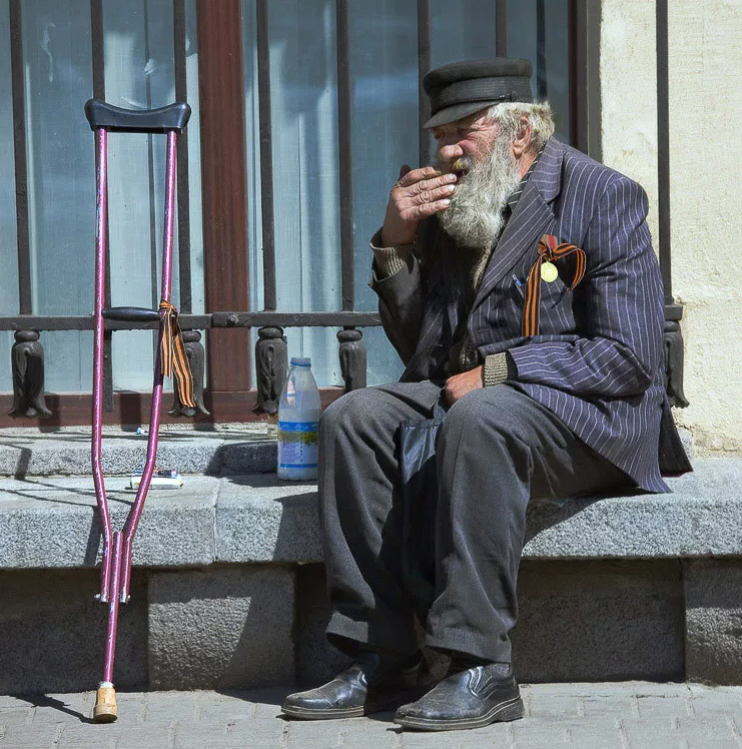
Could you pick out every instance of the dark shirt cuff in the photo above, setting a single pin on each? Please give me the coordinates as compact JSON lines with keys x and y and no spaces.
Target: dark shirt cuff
{"x":390,"y":260}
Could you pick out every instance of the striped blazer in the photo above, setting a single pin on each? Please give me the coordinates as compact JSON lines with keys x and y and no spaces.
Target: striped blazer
{"x":597,"y":361}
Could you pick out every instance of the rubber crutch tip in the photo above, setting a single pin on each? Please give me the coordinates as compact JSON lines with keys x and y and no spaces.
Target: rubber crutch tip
{"x":105,"y":710}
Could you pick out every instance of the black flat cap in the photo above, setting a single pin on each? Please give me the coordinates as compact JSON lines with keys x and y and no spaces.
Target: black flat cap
{"x":461,"y":88}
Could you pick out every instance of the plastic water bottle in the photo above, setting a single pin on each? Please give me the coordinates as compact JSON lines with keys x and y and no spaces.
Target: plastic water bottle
{"x":298,"y":424}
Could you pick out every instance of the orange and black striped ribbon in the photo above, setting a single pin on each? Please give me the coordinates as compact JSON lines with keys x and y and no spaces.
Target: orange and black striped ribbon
{"x":173,"y":359}
{"x":548,"y":250}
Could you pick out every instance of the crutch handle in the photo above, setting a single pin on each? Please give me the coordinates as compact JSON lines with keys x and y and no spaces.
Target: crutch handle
{"x":131,"y":314}
{"x":117,"y":119}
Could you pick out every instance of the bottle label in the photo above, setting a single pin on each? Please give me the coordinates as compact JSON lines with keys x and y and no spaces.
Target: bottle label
{"x":297,"y":444}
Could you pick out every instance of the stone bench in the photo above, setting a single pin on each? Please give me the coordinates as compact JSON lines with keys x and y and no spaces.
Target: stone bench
{"x":254,"y":518}
{"x":228,"y":586}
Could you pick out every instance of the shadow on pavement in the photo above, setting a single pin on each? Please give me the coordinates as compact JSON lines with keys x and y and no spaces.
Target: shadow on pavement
{"x":41,"y":700}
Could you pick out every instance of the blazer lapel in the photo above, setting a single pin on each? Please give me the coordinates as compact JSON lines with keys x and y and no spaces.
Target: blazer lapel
{"x":530,"y":220}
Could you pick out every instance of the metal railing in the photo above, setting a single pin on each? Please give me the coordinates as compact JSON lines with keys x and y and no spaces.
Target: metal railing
{"x":270,"y":347}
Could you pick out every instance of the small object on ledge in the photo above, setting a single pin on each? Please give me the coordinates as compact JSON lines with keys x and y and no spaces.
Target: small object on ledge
{"x":161,"y":479}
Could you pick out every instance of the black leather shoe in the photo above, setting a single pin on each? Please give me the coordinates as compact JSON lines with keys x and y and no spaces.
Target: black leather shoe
{"x":371,"y":685}
{"x":467,"y":698}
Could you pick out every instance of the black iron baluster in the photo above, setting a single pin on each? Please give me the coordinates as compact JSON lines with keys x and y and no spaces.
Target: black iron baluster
{"x":271,"y":363}
{"x":27,"y":357}
{"x":674,"y":354}
{"x":353,"y":359}
{"x":195,"y":354}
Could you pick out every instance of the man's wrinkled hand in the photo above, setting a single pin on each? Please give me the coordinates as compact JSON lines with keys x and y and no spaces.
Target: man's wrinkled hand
{"x":461,"y":384}
{"x":417,"y":194}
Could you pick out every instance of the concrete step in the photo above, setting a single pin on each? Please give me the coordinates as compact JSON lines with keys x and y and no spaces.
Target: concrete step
{"x":255,"y":518}
{"x":52,"y":521}
{"x":228,"y":589}
{"x":227,"y":449}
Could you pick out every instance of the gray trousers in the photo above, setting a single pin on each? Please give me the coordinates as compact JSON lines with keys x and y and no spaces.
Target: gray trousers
{"x":496,"y":449}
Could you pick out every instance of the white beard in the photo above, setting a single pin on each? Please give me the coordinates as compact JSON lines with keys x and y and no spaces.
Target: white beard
{"x":475,"y":218}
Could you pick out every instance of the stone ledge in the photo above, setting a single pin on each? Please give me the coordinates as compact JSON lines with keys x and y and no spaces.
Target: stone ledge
{"x":227,"y":449}
{"x":250,"y":449}
{"x":51,"y":521}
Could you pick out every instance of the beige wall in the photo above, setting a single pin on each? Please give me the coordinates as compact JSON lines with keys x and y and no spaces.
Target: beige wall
{"x":706,"y":164}
{"x":628,"y":81}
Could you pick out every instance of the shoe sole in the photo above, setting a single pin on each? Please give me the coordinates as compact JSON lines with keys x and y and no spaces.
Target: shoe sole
{"x":392,"y":703}
{"x":505,"y":711}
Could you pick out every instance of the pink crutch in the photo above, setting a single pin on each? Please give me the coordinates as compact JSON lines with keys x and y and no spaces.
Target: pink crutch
{"x":170,"y":360}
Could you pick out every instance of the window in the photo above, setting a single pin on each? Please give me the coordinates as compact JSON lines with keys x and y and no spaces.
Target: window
{"x":383,"y":78}
{"x":386,"y":48}
{"x":60,"y":159}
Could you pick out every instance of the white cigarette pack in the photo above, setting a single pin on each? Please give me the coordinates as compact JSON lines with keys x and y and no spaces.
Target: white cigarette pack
{"x":160,"y":480}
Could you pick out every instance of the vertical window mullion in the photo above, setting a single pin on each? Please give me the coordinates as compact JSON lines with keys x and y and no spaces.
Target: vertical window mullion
{"x":224,"y":186}
{"x":542,"y":90}
{"x":266,"y":155}
{"x":21,"y":163}
{"x":183,"y":207}
{"x":501,"y":26}
{"x":423,"y":66}
{"x":345,"y":163}
{"x":663,"y":149}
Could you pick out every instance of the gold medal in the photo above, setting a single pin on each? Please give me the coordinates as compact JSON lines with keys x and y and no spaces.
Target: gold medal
{"x":549,"y":272}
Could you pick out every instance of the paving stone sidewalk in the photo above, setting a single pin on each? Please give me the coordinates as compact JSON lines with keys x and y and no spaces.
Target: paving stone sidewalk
{"x":631,"y":715}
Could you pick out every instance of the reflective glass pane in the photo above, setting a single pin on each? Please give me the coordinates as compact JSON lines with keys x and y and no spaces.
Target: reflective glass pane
{"x":8,"y":252}
{"x":461,"y":31}
{"x":539,"y":31}
{"x":138,"y":50}
{"x":138,"y":47}
{"x":61,"y":173}
{"x":304,"y":149}
{"x":384,"y":121}
{"x":193,"y":133}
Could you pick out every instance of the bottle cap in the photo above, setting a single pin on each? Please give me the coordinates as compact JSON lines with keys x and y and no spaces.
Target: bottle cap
{"x":297,"y":361}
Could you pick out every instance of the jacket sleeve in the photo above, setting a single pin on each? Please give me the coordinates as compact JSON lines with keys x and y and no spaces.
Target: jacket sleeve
{"x":396,"y":278}
{"x":619,"y":347}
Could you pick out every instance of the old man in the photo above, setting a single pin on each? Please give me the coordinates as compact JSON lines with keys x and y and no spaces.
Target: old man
{"x":518,"y":283}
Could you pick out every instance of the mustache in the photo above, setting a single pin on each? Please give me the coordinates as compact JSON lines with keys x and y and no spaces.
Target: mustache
{"x":462,"y":164}
{"x":457,"y":166}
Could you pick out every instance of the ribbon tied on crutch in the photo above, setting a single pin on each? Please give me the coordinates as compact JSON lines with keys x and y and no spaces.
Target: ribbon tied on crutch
{"x":174,"y":362}
{"x":544,"y":269}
